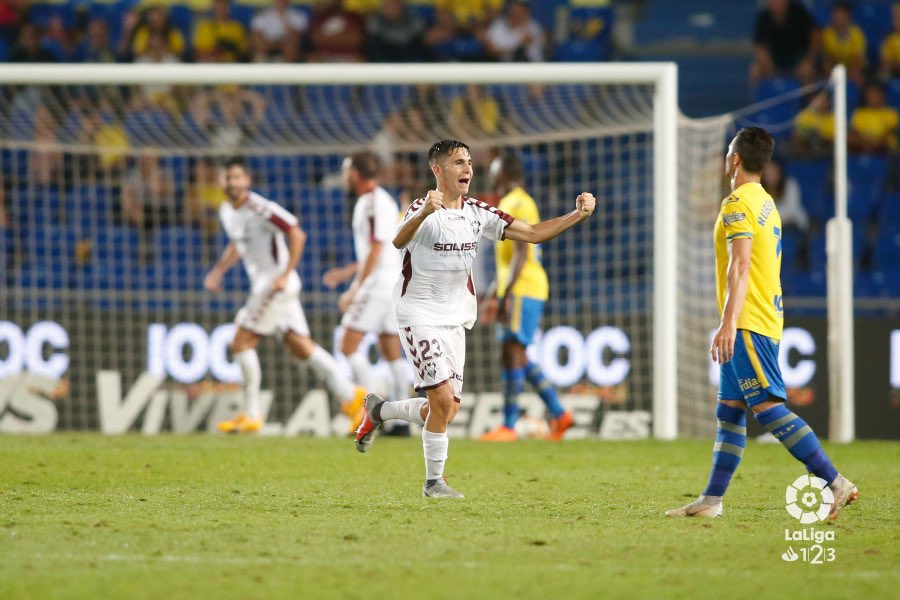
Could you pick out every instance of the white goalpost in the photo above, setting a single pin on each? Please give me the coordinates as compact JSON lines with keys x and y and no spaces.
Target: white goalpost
{"x":839,"y":249}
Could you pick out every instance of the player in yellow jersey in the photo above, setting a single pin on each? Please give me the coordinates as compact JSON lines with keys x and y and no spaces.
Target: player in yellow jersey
{"x":517,"y":300}
{"x":747,"y":238}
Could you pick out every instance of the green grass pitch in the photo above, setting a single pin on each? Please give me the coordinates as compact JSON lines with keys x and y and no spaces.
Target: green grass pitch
{"x":87,"y":516}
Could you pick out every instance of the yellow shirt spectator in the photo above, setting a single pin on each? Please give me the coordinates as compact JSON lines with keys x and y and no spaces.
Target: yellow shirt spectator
{"x":486,"y":117}
{"x":847,"y":50}
{"x":142,"y":38}
{"x":890,"y":51}
{"x":228,"y":38}
{"x":112,"y":144}
{"x":812,"y":123}
{"x":467,"y":11}
{"x":876,"y":124}
{"x":362,"y":7}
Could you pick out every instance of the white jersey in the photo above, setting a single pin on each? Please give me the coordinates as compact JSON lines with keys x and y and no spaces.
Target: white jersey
{"x":436,"y":286}
{"x":375,"y":218}
{"x":258,"y":229}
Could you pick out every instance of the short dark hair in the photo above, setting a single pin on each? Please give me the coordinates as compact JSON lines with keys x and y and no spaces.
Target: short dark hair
{"x":236,"y":161}
{"x":511,"y":167}
{"x":443,"y":148}
{"x":366,"y":163}
{"x":755,"y":147}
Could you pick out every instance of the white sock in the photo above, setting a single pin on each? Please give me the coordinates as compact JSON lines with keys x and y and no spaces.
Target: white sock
{"x":400,"y":376}
{"x":359,"y":365}
{"x":435,"y":446}
{"x":409,"y":410}
{"x":249,"y":363}
{"x":327,"y":369}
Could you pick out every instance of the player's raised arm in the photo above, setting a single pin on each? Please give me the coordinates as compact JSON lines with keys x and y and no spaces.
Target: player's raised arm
{"x":229,"y":258}
{"x":407,"y":230}
{"x":547,"y":230}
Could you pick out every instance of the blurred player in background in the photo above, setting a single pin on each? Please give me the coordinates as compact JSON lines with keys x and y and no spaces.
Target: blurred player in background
{"x":435,"y":299}
{"x":367,"y":304}
{"x":747,"y":239}
{"x":269,"y":241}
{"x":516,"y":299}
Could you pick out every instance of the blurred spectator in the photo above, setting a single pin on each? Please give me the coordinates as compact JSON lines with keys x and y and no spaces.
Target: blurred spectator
{"x":28,"y":47}
{"x":58,"y":41}
{"x":785,"y":190}
{"x":472,"y":15}
{"x":873,"y":126}
{"x":475,"y":114}
{"x":46,"y":160}
{"x":11,"y":12}
{"x":153,"y":23}
{"x":221,"y":38}
{"x":158,"y":51}
{"x":148,"y":198}
{"x":393,"y":34}
{"x":786,"y":42}
{"x":814,"y":128}
{"x":111,"y":139}
{"x":890,"y":49}
{"x":204,"y":196}
{"x":516,"y":36}
{"x":228,"y":114}
{"x":363,"y":7}
{"x":843,"y":43}
{"x":278,"y":33}
{"x":95,"y":47}
{"x":337,"y":35}
{"x":424,"y":113}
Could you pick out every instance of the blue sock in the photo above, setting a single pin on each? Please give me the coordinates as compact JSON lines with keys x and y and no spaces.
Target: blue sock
{"x":544,"y":389}
{"x":513,"y":384}
{"x":731,"y":439}
{"x":799,"y":439}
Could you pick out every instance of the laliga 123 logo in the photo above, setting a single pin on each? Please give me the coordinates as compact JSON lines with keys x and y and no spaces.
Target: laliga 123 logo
{"x":809,"y":499}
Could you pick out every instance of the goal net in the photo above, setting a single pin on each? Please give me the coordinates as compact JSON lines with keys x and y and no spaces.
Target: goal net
{"x":110,"y":180}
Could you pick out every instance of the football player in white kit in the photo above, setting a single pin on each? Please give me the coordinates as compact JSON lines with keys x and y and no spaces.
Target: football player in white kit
{"x":367,"y":305}
{"x":435,"y":299}
{"x":269,"y":242}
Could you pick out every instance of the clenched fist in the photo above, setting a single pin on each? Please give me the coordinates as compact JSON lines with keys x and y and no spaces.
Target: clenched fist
{"x":585,"y":204}
{"x":434,"y":200}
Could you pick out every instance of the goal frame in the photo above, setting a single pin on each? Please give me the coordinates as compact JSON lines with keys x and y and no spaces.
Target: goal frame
{"x":663,"y":76}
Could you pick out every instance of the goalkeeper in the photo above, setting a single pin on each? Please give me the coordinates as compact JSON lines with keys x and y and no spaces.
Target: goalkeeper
{"x":516,"y":300}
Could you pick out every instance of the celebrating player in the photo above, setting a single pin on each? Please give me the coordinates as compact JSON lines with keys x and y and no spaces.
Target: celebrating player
{"x":269,"y":241}
{"x":367,"y":304}
{"x":522,"y":288}
{"x":435,"y":298}
{"x":747,"y":239}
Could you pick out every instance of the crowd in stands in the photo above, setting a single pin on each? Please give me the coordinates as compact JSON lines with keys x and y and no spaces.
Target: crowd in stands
{"x":796,"y":45}
{"x":325,"y":31}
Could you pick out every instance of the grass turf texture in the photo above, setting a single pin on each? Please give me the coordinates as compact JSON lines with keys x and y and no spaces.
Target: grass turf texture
{"x":87,"y":516}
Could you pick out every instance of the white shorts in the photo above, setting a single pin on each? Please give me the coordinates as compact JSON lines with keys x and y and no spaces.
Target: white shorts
{"x":370,"y":312}
{"x":437,"y":354}
{"x":273,"y":312}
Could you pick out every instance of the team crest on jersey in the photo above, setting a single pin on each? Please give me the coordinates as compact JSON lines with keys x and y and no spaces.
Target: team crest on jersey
{"x":476,"y":227}
{"x":431,"y":369}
